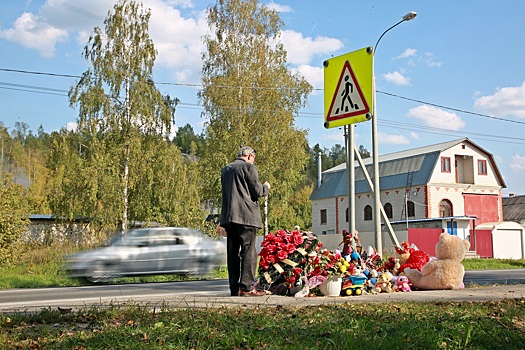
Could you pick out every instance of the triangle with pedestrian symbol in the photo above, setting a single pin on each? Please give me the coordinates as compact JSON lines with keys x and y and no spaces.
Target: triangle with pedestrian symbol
{"x":348,"y":100}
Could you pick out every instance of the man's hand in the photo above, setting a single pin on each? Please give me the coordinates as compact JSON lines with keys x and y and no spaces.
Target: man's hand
{"x":267,"y":184}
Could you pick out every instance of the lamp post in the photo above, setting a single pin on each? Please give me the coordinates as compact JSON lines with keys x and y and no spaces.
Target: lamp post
{"x":377,"y":193}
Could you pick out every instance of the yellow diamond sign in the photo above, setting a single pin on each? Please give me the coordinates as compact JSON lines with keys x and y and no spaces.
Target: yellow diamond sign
{"x":348,"y":88}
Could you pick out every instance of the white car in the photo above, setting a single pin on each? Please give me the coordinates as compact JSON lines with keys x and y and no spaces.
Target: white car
{"x":150,"y":251}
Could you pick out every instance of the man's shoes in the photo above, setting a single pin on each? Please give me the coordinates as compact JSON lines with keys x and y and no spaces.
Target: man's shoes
{"x":252,"y":293}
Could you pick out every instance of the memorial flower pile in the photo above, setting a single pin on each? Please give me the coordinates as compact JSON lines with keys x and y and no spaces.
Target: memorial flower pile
{"x":284,"y":257}
{"x":293,"y":261}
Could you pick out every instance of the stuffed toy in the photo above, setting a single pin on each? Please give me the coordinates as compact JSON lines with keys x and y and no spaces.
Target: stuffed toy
{"x":383,"y":284}
{"x":391,"y":265}
{"x":403,"y":284}
{"x":411,"y":257}
{"x":446,"y":270}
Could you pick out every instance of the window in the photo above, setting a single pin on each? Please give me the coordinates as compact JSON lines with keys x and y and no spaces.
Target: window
{"x":445,"y":208}
{"x":368,"y":213}
{"x":388,"y":210}
{"x":482,"y":167}
{"x":347,"y":214}
{"x":445,"y":164}
{"x":411,"y":209}
{"x":323,"y":217}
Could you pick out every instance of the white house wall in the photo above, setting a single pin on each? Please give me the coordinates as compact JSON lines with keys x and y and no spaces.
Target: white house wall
{"x":317,"y":206}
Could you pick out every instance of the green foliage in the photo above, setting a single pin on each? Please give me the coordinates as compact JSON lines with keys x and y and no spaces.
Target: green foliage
{"x":13,"y":217}
{"x":25,"y":155}
{"x":187,"y":141}
{"x":297,"y":210}
{"x":250,"y":98}
{"x":167,"y":191}
{"x":364,"y":152}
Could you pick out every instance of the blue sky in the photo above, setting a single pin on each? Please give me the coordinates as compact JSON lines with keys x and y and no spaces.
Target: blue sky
{"x":457,"y":70}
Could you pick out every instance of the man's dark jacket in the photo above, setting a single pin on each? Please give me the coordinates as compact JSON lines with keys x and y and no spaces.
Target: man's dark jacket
{"x":241,"y":190}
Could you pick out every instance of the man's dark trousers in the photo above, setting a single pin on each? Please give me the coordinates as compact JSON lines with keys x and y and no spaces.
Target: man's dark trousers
{"x":242,"y":256}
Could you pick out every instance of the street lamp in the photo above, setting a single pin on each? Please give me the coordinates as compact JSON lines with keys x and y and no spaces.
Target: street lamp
{"x":377,"y":194}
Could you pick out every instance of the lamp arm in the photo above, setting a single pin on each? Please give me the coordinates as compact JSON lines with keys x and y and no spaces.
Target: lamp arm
{"x":378,"y":40}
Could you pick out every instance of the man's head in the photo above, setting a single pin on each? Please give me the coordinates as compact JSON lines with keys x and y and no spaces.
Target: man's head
{"x":247,"y":153}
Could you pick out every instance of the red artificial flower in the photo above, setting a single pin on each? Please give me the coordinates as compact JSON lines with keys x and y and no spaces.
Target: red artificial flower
{"x":281,"y":255}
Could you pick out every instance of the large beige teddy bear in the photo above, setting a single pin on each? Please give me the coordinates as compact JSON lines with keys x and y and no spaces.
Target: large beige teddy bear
{"x":446,"y":270}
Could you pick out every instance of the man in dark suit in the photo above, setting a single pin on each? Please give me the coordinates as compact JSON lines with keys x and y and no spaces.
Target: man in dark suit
{"x":241,"y":218}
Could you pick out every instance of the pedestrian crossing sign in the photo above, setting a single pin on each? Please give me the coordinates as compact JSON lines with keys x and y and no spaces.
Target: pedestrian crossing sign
{"x":348,"y":88}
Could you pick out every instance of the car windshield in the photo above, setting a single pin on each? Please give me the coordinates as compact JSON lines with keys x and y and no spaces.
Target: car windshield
{"x":131,"y":238}
{"x":146,"y":237}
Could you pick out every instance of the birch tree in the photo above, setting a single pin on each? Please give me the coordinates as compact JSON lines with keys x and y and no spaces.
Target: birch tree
{"x":117,"y":98}
{"x":251,"y":97}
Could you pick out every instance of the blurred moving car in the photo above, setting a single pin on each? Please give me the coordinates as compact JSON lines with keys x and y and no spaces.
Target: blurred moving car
{"x":149,"y":251}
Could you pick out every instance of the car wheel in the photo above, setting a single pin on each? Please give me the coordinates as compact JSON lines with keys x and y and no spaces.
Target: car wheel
{"x":102,"y":272}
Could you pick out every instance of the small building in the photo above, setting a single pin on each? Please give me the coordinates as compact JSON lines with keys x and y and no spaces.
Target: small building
{"x":500,"y":240}
{"x":46,"y":229}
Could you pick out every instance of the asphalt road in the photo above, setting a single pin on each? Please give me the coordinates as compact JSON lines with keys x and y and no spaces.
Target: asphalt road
{"x":488,"y":277}
{"x":496,"y":284}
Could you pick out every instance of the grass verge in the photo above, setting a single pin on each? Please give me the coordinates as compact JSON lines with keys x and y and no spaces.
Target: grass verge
{"x":493,"y":264}
{"x":453,"y":325}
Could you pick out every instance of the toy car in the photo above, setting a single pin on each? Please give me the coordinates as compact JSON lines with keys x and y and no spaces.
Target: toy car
{"x":353,"y":285}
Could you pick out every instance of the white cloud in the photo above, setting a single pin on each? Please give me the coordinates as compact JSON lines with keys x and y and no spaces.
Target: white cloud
{"x":75,"y":15}
{"x":336,"y":136}
{"x":178,"y":40}
{"x":507,"y":101}
{"x":71,"y":126}
{"x":279,"y":8}
{"x":396,"y":78}
{"x":301,"y":50}
{"x":414,"y":135}
{"x":407,"y":53}
{"x":392,"y":139}
{"x":32,"y":32}
{"x":429,"y":59}
{"x":314,"y":75}
{"x":518,"y":163}
{"x":177,"y":37}
{"x":436,"y":117}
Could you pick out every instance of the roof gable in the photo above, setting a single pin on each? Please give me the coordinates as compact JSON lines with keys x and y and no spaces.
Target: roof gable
{"x":393,"y":169}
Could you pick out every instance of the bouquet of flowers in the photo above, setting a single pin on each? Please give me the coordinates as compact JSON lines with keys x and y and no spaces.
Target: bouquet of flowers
{"x":327,"y":263}
{"x":284,"y":256}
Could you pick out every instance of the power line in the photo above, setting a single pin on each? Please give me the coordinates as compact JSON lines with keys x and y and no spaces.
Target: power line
{"x":447,"y":132}
{"x":303,"y":114}
{"x":39,"y":73}
{"x":33,"y":87}
{"x":38,"y":92}
{"x":384,"y":123}
{"x":452,"y":109}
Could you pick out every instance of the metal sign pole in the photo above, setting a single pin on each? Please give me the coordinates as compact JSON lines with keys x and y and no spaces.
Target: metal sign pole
{"x":350,"y":160}
{"x":265,"y":215}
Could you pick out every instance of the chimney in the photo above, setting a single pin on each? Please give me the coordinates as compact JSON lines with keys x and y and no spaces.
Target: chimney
{"x":319,"y":176}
